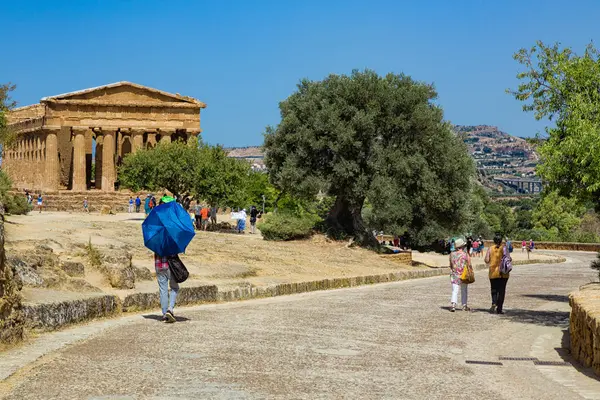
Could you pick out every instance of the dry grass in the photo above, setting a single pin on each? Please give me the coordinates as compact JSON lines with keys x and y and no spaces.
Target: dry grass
{"x":212,"y":258}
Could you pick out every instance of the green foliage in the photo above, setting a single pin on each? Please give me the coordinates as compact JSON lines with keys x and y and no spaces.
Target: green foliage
{"x":188,"y":170}
{"x":258,"y":185}
{"x":557,"y":216}
{"x":287,"y":226}
{"x":220,"y":180}
{"x":565,"y":87}
{"x":6,"y":104}
{"x":13,"y":204}
{"x":366,"y":137}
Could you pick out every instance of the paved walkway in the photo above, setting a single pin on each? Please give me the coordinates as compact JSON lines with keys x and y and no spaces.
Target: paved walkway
{"x":392,"y":341}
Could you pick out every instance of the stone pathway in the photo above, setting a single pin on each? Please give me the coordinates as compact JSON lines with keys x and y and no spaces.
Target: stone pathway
{"x":392,"y":341}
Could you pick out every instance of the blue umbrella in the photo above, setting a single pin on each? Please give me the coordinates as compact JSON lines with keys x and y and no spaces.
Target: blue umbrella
{"x":168,"y":229}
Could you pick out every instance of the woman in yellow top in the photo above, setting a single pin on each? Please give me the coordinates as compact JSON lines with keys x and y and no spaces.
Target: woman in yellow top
{"x":498,"y":281}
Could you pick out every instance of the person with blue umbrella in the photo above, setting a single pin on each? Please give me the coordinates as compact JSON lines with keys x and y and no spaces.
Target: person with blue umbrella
{"x":167,"y":232}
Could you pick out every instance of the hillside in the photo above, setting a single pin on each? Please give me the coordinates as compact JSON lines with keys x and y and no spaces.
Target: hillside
{"x":496,"y":153}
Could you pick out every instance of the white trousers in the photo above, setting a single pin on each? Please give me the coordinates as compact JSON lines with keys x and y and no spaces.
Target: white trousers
{"x":464,"y":293}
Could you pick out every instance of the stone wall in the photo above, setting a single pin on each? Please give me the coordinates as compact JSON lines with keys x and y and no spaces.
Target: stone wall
{"x":584,"y":326}
{"x":11,"y":316}
{"x":555,"y":246}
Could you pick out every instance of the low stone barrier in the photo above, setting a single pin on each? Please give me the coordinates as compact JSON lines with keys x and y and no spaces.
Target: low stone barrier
{"x":554,"y":246}
{"x":52,"y":316}
{"x":186,"y":296}
{"x":584,"y":326}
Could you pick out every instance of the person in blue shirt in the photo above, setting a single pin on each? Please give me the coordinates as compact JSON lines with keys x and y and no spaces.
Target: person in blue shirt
{"x":138,"y":203}
{"x":130,"y":208}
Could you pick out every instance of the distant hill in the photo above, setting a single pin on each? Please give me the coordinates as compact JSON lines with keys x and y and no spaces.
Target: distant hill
{"x":495,"y":152}
{"x":253,"y":154}
{"x":498,"y":154}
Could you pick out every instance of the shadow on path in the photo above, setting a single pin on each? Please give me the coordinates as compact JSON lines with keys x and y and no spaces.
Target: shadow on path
{"x":538,"y":317}
{"x":549,"y":297}
{"x":159,"y":318}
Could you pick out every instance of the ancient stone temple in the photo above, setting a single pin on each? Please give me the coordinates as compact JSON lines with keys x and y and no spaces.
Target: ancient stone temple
{"x":65,"y":138}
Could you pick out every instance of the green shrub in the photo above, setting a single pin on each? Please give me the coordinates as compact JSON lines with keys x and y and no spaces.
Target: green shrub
{"x":287,"y":226}
{"x":16,"y":204}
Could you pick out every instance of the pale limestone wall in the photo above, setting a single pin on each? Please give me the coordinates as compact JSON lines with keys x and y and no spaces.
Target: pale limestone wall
{"x":585,"y":326}
{"x":149,"y":117}
{"x":27,"y":112}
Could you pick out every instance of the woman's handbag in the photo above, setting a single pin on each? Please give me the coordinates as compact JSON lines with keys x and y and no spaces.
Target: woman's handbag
{"x":467,"y":276}
{"x":178,"y":271}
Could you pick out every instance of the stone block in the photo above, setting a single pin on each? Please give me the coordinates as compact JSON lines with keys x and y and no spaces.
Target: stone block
{"x":73,"y":268}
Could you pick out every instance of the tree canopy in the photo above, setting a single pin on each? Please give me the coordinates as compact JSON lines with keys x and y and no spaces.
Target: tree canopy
{"x":6,"y":104}
{"x":367,"y":137}
{"x":188,"y":170}
{"x":564,"y":87}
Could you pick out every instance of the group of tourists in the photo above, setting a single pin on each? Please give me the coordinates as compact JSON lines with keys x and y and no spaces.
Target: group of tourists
{"x":527,"y":246}
{"x":499,"y":263}
{"x":204,"y":214}
{"x":241,"y":216}
{"x":39,"y":201}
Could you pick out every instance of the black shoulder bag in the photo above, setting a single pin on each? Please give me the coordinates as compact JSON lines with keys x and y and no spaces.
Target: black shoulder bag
{"x":178,"y":271}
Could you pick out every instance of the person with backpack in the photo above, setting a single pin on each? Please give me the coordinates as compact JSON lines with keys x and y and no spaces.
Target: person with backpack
{"x":500,"y":264}
{"x":459,"y":261}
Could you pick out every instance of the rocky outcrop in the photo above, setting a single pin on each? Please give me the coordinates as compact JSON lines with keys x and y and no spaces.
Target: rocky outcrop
{"x":584,"y":326}
{"x":11,"y":315}
{"x":73,"y":268}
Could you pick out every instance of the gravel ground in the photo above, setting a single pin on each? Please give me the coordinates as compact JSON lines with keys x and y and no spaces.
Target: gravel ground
{"x":388,"y":341}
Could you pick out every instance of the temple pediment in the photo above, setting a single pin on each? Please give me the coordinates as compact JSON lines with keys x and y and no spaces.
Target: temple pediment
{"x":124,"y":93}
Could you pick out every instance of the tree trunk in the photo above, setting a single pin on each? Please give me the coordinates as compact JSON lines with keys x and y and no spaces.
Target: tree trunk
{"x":346,"y":217}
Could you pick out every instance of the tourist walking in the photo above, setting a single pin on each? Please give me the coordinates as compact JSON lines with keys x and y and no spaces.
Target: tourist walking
{"x":40,"y":202}
{"x":241,"y":223}
{"x":253,"y":215}
{"x":130,"y":208}
{"x":498,"y":280}
{"x":531,"y":245}
{"x":86,"y":205}
{"x":197,"y":217}
{"x":204,"y":217}
{"x":163,"y":276}
{"x":523,"y":246}
{"x":213,"y":215}
{"x":147,"y":208}
{"x":459,"y":260}
{"x":138,"y":203}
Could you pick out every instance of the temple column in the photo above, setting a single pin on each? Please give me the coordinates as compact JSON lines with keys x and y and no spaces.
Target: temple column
{"x":98,"y":161}
{"x":137,"y":142}
{"x":52,"y":165}
{"x":165,"y":135}
{"x":108,"y":161}
{"x":79,"y":184}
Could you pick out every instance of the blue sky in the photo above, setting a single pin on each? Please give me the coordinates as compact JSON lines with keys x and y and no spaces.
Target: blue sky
{"x":243,"y":57}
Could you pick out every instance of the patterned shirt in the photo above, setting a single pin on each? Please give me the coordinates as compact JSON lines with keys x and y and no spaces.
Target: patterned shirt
{"x":160,"y":263}
{"x":458,"y":261}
